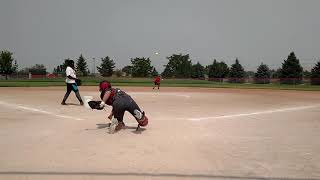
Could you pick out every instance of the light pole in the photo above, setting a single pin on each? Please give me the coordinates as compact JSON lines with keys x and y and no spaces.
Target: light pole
{"x":94,"y":66}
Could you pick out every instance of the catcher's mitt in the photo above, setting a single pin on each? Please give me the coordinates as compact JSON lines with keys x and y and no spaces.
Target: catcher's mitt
{"x":78,"y":82}
{"x":95,"y":105}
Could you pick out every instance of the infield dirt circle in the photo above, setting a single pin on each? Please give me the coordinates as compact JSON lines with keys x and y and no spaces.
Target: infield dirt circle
{"x":193,"y":133}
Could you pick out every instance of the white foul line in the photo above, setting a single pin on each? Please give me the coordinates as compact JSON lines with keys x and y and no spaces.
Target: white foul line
{"x":16,"y":106}
{"x":255,"y":113}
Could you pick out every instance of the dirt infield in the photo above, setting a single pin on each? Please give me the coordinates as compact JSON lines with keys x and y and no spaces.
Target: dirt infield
{"x":193,"y":133}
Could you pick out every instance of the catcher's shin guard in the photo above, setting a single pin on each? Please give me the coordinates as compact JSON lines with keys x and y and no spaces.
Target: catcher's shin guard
{"x":113,"y":125}
{"x":141,"y":118}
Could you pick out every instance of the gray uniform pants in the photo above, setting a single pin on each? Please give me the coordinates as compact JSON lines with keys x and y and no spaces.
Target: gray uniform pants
{"x":121,"y":104}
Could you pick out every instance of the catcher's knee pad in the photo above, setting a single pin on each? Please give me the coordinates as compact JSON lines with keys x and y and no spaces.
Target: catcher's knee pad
{"x":137,"y":114}
{"x":141,"y":118}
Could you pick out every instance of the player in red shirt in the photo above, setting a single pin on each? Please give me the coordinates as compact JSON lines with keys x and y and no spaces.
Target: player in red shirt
{"x":156,"y":81}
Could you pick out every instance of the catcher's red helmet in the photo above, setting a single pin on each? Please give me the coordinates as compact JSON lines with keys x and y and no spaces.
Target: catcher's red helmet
{"x":104,"y":85}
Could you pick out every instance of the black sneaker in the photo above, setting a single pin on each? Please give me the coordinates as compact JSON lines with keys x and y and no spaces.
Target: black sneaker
{"x":63,"y":103}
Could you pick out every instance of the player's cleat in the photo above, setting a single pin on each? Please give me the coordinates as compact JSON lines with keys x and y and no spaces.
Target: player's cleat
{"x":138,"y":127}
{"x":63,"y":103}
{"x":143,"y":121}
{"x":141,"y":118}
{"x":120,"y":126}
{"x":113,"y":125}
{"x":81,"y":103}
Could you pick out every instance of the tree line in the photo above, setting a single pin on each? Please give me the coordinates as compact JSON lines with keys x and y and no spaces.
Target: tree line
{"x":179,"y":66}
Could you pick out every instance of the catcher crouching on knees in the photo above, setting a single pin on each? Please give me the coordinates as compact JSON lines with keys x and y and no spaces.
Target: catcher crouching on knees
{"x":120,"y":102}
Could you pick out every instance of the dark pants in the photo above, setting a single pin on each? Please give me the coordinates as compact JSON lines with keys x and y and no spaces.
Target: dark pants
{"x":156,"y":84}
{"x":72,"y":87}
{"x":122,"y":104}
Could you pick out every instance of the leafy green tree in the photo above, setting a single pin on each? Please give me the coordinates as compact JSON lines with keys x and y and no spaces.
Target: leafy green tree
{"x":56,"y":70}
{"x":218,"y":71}
{"x":15,"y":67}
{"x":82,"y":67}
{"x":127,"y":70}
{"x":154,"y":72}
{"x":38,"y":69}
{"x":6,"y":66}
{"x":249,"y":74}
{"x":206,"y":70}
{"x":197,"y":71}
{"x":106,"y":67}
{"x":291,"y":71}
{"x":65,"y":64}
{"x":273,"y":73}
{"x":237,"y":73}
{"x":61,"y":69}
{"x":168,"y":71}
{"x":179,"y":66}
{"x":262,"y":76}
{"x":118,"y":72}
{"x":306,"y":74}
{"x":213,"y":70}
{"x":24,"y":71}
{"x":315,"y":74}
{"x":223,"y":69}
{"x":141,"y":67}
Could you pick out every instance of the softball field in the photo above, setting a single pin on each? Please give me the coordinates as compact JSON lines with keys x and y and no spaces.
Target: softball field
{"x":193,"y":133}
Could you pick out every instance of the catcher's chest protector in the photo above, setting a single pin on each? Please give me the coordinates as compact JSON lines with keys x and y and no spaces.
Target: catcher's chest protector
{"x":113,"y":94}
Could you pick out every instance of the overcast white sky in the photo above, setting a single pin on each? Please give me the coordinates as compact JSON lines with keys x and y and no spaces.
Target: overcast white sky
{"x":255,"y":31}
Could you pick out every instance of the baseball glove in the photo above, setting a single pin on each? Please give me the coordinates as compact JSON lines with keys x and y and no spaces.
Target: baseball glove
{"x":78,"y":82}
{"x":95,"y":105}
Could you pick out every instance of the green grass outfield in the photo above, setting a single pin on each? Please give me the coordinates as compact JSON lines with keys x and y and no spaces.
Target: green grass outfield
{"x":145,"y":82}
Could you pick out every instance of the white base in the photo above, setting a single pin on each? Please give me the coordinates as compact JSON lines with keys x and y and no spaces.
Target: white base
{"x":86,"y":99}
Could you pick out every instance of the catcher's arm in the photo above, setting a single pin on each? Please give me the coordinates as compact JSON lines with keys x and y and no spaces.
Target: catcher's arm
{"x":111,"y":114}
{"x":105,"y":98}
